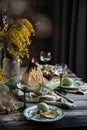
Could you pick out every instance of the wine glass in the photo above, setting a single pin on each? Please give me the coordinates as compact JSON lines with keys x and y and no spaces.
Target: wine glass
{"x":45,"y":56}
{"x":60,"y":68}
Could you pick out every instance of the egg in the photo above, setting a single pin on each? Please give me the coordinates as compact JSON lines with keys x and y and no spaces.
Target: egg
{"x":43,"y":106}
{"x":4,"y":87}
{"x":68,"y":81}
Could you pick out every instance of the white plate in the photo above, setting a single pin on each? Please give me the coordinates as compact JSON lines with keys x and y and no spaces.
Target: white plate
{"x":76,"y":84}
{"x":28,"y":112}
{"x":52,"y":84}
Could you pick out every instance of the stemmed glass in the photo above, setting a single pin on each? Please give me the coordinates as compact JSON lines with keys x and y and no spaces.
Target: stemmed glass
{"x":45,"y":56}
{"x":21,"y":109}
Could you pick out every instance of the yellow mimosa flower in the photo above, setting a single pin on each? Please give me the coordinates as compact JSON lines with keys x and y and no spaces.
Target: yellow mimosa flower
{"x":17,"y":38}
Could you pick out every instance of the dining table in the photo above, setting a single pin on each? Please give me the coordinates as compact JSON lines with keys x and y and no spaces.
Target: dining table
{"x":75,"y":117}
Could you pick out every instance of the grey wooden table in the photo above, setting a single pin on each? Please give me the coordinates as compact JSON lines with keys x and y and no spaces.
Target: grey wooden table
{"x":76,"y":117}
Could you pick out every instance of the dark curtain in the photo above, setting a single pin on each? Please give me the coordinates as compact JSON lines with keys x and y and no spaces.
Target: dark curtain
{"x":68,"y":40}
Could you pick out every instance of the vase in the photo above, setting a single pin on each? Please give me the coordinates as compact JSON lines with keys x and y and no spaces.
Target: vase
{"x":11,"y":67}
{"x":0,"y":60}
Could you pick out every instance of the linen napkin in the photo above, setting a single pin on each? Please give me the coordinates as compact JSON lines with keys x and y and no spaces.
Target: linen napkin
{"x":50,"y":98}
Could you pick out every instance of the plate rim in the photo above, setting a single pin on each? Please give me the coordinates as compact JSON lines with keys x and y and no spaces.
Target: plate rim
{"x":74,"y":87}
{"x":48,"y":120}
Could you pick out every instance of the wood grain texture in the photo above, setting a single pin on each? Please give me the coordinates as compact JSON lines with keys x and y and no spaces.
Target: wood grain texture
{"x":76,"y":117}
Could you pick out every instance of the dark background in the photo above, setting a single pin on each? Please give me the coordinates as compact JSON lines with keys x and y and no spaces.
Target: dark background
{"x":61,"y":27}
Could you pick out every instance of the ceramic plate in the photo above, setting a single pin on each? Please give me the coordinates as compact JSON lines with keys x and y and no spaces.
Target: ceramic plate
{"x":76,"y":84}
{"x":28,"y":112}
{"x":52,"y":84}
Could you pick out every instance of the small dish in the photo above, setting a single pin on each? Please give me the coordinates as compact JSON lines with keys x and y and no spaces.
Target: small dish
{"x":77,"y":84}
{"x":28,"y":113}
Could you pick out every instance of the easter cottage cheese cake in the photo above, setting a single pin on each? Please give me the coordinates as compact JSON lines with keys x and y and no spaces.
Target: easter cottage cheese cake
{"x":33,"y":75}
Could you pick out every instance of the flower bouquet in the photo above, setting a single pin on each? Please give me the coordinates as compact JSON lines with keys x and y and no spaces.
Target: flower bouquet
{"x":16,"y":39}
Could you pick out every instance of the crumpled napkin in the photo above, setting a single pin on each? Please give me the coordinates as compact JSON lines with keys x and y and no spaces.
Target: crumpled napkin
{"x":50,"y":98}
{"x":54,"y":99}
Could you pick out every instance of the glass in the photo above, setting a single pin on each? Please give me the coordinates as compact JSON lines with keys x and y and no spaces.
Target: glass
{"x":0,"y":60}
{"x":45,"y":56}
{"x":60,"y":68}
{"x":21,"y":109}
{"x":11,"y":67}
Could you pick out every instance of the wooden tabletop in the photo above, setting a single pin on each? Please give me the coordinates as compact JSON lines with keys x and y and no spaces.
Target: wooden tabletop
{"x":76,"y":117}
